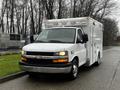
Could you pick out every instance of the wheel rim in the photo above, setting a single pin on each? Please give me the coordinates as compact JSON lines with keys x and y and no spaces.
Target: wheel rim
{"x":75,"y":70}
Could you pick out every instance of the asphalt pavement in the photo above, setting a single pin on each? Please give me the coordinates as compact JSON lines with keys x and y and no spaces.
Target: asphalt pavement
{"x":104,"y":77}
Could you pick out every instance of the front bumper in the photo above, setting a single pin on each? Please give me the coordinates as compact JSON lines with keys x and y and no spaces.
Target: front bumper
{"x":44,"y":64}
{"x":46,"y":69}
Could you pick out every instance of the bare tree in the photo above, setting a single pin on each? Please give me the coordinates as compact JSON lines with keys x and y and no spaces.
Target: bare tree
{"x":12,"y":16}
{"x":24,"y":15}
{"x":60,"y":9}
{"x":2,"y":16}
{"x":91,"y":8}
{"x":32,"y":19}
{"x":49,"y":5}
{"x":7,"y":16}
{"x":40,"y":17}
{"x":110,"y":31}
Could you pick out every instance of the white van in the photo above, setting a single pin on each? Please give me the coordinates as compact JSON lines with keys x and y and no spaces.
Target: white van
{"x":63,"y":46}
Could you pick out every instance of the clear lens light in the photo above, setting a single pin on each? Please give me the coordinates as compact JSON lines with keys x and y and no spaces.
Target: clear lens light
{"x":22,"y":52}
{"x":62,"y":53}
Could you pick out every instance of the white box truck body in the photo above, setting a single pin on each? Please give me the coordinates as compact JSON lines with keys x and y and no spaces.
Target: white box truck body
{"x":63,"y":46}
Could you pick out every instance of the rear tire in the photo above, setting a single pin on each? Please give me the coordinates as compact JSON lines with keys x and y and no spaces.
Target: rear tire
{"x":99,"y":61}
{"x":74,"y":71}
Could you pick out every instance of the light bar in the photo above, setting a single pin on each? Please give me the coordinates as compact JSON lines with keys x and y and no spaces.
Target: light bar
{"x":50,"y":24}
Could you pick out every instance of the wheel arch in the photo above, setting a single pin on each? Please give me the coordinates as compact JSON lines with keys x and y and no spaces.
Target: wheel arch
{"x":76,"y":59}
{"x":99,"y":56}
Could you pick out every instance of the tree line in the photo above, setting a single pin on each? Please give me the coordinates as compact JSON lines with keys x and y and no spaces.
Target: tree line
{"x":23,"y":16}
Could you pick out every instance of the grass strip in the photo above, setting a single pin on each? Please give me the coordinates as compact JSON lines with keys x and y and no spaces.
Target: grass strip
{"x":9,"y":64}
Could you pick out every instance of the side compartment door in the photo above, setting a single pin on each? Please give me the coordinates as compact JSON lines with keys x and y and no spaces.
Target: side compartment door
{"x":94,"y":46}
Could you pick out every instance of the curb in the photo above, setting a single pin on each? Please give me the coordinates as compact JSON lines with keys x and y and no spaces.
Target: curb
{"x":12,"y":76}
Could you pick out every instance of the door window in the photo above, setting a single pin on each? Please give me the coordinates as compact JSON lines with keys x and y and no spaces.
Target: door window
{"x":80,"y":35}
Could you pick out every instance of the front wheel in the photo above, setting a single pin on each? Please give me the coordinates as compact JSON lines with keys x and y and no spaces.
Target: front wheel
{"x":74,"y":71}
{"x":31,"y":74}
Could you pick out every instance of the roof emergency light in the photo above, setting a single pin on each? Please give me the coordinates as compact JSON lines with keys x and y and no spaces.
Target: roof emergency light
{"x":64,"y":23}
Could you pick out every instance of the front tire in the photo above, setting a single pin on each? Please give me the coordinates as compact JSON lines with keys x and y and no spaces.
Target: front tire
{"x":31,"y":74}
{"x":74,"y":71}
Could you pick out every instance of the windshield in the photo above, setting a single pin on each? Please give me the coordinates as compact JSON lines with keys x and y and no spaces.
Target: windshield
{"x":57,"y":35}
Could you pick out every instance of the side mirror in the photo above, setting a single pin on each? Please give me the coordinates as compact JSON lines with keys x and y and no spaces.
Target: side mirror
{"x":85,"y":38}
{"x":79,"y":41}
{"x":35,"y":36}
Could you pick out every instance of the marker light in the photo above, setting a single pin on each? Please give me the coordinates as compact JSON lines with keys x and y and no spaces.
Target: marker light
{"x":23,"y":52}
{"x":23,"y":59}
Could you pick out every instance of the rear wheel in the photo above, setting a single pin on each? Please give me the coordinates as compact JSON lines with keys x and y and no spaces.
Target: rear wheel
{"x":74,"y":70}
{"x":98,"y":62}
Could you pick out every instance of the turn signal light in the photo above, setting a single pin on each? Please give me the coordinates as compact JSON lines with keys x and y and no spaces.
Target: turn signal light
{"x":23,"y":59}
{"x":60,"y":61}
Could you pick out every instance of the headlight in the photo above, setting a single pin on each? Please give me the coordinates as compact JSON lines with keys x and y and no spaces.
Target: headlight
{"x":23,"y":52}
{"x":62,"y":53}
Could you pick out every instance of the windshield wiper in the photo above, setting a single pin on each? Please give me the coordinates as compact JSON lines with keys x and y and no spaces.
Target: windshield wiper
{"x":55,"y":41}
{"x":49,"y":41}
{"x":39,"y":41}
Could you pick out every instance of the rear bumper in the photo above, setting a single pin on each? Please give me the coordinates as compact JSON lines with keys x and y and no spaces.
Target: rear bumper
{"x":46,"y":69}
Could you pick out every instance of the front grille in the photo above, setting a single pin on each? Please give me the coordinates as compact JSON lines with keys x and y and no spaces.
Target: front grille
{"x":41,"y":53}
{"x":39,"y":61}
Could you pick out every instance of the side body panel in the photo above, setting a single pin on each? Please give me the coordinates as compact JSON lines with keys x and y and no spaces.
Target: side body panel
{"x":94,"y":45}
{"x":79,"y":51}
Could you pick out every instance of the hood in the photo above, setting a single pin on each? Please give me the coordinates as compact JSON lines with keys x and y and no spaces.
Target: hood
{"x":47,"y":47}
